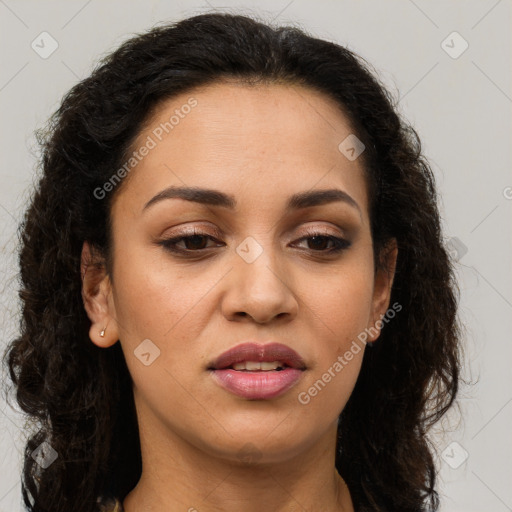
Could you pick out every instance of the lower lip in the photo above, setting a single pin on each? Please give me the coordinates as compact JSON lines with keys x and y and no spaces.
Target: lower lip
{"x":258,"y":385}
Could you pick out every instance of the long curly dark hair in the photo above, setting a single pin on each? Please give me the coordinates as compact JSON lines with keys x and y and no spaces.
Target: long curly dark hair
{"x":79,"y":396}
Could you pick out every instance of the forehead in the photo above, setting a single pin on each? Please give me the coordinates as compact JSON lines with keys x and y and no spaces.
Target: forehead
{"x":260,"y":142}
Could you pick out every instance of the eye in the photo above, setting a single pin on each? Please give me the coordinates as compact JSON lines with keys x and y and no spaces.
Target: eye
{"x":196,"y":242}
{"x":319,"y":241}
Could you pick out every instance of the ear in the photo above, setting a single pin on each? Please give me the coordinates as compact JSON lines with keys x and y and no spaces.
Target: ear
{"x":384,"y":276}
{"x":97,"y":298}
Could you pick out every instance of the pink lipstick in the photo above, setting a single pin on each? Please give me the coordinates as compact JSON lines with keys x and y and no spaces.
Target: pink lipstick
{"x":258,"y":372}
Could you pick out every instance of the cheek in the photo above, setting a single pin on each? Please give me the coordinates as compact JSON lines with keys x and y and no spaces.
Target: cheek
{"x":160,"y":303}
{"x":343,"y":311}
{"x":345,"y":302}
{"x":339,"y":351}
{"x":153,"y":299}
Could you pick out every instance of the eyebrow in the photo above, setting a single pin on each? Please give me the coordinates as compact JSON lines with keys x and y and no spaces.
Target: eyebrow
{"x":217,"y":198}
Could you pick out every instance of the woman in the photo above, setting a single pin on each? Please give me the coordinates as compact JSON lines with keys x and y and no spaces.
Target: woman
{"x":235,"y":292}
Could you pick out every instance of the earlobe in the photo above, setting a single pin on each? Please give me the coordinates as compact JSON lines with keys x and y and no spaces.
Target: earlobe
{"x":103,"y":338}
{"x":95,"y":294}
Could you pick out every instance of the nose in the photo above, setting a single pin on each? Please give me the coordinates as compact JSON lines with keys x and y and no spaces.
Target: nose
{"x":260,"y":291}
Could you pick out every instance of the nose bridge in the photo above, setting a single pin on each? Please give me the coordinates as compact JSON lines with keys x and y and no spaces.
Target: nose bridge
{"x":257,"y":266}
{"x":258,"y":287}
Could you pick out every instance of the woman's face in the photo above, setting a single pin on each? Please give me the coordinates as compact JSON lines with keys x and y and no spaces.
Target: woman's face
{"x":253,"y":273}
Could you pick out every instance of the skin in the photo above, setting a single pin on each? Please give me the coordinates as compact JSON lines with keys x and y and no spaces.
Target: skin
{"x":260,"y":144}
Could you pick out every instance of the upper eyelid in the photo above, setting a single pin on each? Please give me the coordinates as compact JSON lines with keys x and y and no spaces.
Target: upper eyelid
{"x":310,"y":232}
{"x":334,"y":230}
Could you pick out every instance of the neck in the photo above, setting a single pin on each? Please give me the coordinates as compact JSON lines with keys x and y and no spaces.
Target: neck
{"x":178,"y":475}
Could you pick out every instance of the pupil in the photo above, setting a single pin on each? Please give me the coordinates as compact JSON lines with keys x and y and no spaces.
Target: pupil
{"x":194,"y":240}
{"x":314,"y":240}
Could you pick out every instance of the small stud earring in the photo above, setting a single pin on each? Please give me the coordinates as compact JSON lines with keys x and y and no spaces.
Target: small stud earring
{"x":102,"y":333}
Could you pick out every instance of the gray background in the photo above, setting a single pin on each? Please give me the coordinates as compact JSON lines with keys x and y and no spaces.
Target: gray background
{"x":461,"y":108}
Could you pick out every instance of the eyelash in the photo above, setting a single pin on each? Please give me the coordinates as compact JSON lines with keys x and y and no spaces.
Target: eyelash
{"x":169,"y":244}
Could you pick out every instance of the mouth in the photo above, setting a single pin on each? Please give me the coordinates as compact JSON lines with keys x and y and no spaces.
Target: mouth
{"x":258,"y":372}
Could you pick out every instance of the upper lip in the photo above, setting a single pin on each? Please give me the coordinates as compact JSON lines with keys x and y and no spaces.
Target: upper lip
{"x":261,"y":353}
